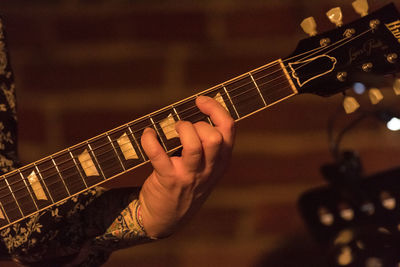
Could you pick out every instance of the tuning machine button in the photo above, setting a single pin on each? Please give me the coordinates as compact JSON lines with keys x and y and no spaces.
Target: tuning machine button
{"x":375,"y":95}
{"x":335,"y":16}
{"x":350,"y":104}
{"x":392,"y":58}
{"x":309,"y":26}
{"x":374,"y":24}
{"x":361,"y":7}
{"x":341,"y":76}
{"x":367,"y":67}
{"x":396,"y":86}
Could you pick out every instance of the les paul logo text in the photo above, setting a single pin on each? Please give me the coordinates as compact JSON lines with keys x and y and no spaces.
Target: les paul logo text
{"x":394,"y":27}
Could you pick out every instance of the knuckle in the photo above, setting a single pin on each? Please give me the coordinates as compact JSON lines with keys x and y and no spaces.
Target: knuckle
{"x":195,"y":150}
{"x":230,"y":123}
{"x":215,"y":138}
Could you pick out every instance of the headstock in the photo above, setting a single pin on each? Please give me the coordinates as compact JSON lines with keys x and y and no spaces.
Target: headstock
{"x":330,"y":62}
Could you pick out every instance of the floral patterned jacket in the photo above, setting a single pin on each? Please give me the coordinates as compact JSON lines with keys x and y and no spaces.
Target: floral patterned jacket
{"x":82,"y":231}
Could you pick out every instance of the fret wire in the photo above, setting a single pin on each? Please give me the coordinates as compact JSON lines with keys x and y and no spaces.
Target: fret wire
{"x":159,"y":135}
{"x":95,"y":158}
{"x":136,"y":142}
{"x":259,"y":109}
{"x":258,"y":89}
{"x":130,"y":130}
{"x":4,"y":212}
{"x":176,"y":113}
{"x":27,"y":187}
{"x":77,"y":167}
{"x":153,"y":121}
{"x":41,"y":177}
{"x":230,"y":100}
{"x":16,"y":201}
{"x":59,"y":174}
{"x":112,"y":144}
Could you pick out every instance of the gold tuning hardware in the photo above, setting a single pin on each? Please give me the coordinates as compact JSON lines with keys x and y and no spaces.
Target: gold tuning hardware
{"x":350,"y":104}
{"x":375,"y":95}
{"x":361,"y":7}
{"x":335,"y":16}
{"x":309,"y":26}
{"x":396,"y":86}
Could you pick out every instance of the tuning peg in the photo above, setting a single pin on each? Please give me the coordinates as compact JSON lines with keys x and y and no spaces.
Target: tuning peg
{"x":309,"y":26}
{"x":350,"y":104}
{"x":375,"y":95}
{"x":361,"y":7}
{"x":396,"y":86}
{"x":335,"y":16}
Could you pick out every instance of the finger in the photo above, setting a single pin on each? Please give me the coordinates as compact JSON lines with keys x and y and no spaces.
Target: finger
{"x":154,"y":151}
{"x":192,"y":152}
{"x":219,"y":116}
{"x":211,"y":140}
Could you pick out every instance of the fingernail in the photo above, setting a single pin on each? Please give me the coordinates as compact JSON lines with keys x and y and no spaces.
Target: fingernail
{"x":201,"y":99}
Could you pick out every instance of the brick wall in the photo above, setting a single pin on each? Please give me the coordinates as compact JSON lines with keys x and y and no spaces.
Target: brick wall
{"x":83,"y":67}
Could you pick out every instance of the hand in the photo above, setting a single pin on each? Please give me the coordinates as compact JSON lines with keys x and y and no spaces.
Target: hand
{"x":179,"y":185}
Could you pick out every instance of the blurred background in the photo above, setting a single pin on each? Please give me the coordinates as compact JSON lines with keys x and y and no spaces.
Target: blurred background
{"x":85,"y":66}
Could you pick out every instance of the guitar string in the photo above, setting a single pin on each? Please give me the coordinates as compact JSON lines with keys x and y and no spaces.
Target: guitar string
{"x":30,"y":199}
{"x":274,"y":64}
{"x":221,"y":94}
{"x":190,"y":100}
{"x":182,"y":112}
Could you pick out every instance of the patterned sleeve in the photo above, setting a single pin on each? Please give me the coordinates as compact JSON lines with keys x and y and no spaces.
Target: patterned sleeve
{"x":115,"y":215}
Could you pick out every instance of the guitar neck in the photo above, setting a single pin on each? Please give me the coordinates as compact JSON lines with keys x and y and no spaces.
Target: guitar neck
{"x":55,"y":178}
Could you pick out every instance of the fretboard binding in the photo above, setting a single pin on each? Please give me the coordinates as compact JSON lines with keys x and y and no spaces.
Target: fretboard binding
{"x":175,"y":107}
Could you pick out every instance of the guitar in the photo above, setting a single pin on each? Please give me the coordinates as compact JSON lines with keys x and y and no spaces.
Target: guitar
{"x":324,"y":64}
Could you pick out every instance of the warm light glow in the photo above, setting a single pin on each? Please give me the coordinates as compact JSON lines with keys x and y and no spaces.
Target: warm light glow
{"x":393,"y":124}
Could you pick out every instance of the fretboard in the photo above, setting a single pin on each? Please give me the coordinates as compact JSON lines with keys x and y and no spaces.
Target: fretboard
{"x":65,"y":174}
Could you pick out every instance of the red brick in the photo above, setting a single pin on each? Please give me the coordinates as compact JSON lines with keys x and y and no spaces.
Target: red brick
{"x":149,"y":25}
{"x":88,"y":27}
{"x":215,"y":67}
{"x":261,"y":22}
{"x":253,"y":169}
{"x":79,"y":126}
{"x":25,"y":30}
{"x":213,"y":223}
{"x":277,"y":218}
{"x":31,"y":125}
{"x":53,"y":76}
{"x":305,"y":113}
